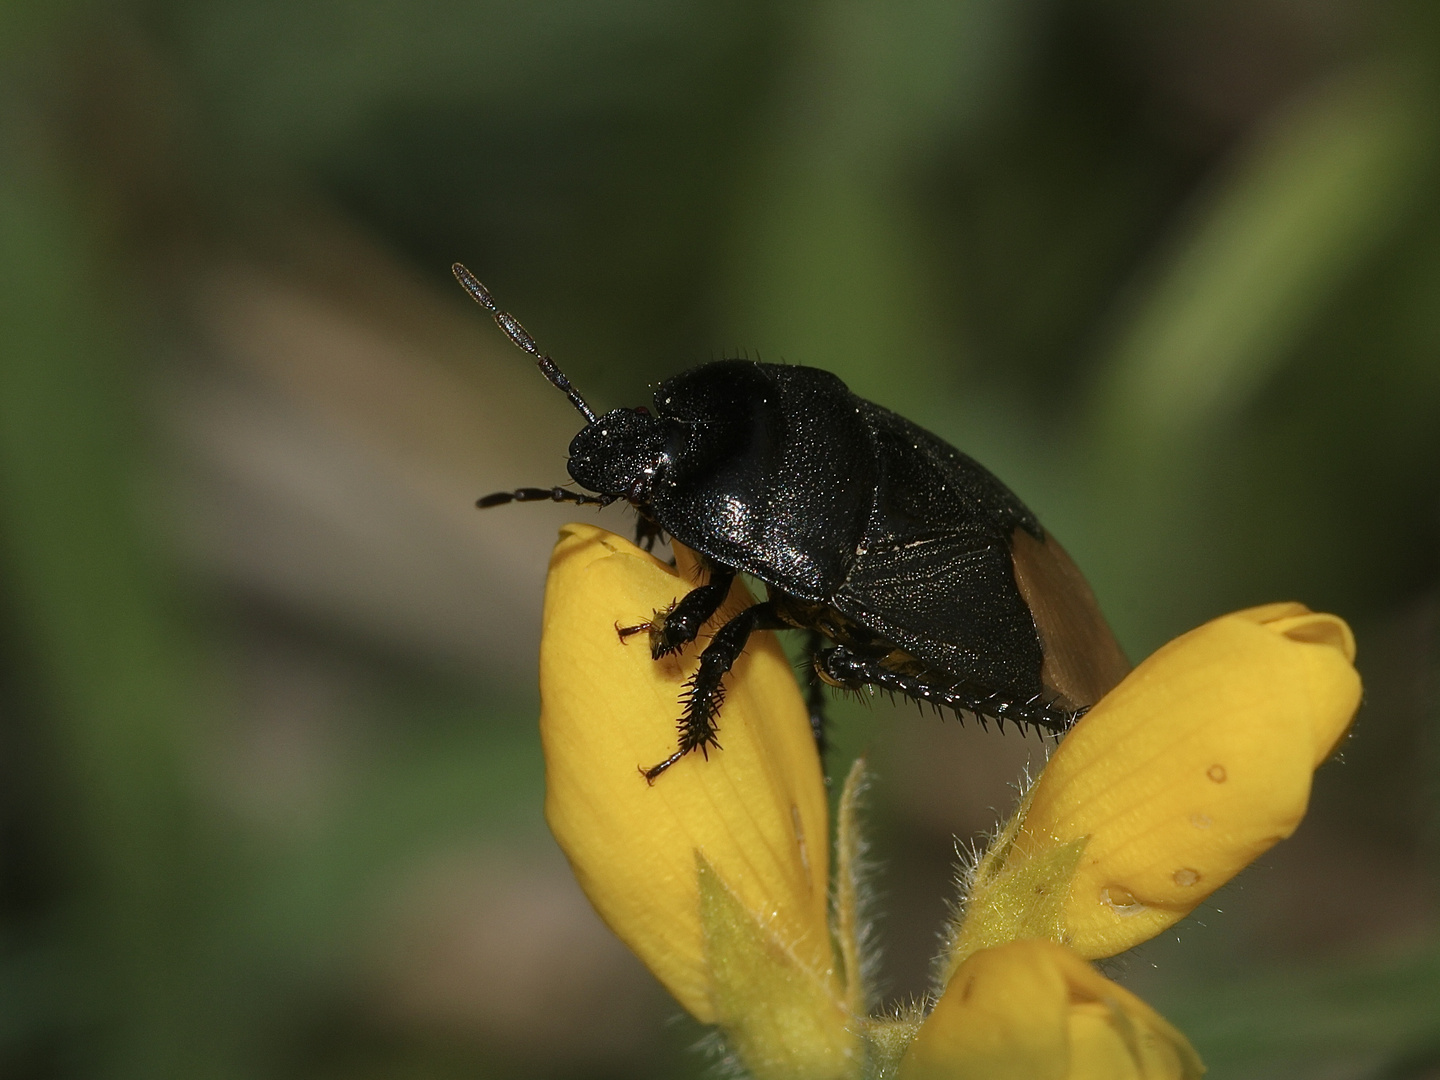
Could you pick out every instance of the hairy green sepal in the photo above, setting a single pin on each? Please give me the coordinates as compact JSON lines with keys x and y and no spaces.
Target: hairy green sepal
{"x":1016,"y":891}
{"x":783,"y":1020}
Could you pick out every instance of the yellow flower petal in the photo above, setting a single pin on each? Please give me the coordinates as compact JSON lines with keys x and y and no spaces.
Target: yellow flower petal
{"x":755,"y":811}
{"x":1033,"y":1010}
{"x":1192,"y":767}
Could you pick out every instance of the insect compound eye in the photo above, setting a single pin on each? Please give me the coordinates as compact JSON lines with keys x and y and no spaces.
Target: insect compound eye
{"x":642,"y":410}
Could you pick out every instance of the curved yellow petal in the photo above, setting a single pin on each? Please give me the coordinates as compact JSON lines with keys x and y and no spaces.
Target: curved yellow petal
{"x":755,"y":811}
{"x":1003,"y":1015}
{"x":1033,"y":1010}
{"x":1189,"y":769}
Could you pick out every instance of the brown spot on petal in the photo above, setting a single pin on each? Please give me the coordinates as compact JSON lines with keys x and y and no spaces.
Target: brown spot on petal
{"x":1216,"y":773}
{"x":1186,"y":877}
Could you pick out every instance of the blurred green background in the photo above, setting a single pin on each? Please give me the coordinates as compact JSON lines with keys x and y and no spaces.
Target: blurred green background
{"x":269,"y":778}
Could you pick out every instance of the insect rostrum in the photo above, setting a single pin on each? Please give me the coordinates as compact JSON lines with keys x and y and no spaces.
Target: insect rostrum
{"x":926,"y":573}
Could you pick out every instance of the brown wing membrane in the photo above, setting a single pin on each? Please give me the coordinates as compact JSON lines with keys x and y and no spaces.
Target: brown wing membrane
{"x":1083,"y":661}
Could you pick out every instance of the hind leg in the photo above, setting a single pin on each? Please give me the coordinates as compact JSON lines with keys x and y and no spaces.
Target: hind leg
{"x":851,"y":670}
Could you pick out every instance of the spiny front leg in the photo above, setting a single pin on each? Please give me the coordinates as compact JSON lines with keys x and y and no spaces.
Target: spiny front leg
{"x":705,"y":690}
{"x":676,"y":627}
{"x":851,"y":670}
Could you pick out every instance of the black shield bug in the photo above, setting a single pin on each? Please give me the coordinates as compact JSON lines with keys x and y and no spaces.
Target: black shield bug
{"x":926,"y":573}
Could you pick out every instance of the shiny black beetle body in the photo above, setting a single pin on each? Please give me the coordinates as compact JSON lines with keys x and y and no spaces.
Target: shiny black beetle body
{"x":932,"y":579}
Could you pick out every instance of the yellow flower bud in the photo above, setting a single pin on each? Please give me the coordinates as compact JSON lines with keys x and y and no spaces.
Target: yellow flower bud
{"x":746,"y":828}
{"x":1191,"y":768}
{"x":1033,"y":1010}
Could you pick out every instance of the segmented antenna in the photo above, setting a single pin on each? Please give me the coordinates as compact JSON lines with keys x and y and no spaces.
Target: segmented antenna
{"x":517,"y":333}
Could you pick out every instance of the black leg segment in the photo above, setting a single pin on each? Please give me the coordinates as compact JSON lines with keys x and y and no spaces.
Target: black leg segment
{"x":647,"y":533}
{"x":852,"y":670}
{"x":677,"y":626}
{"x":705,"y":690}
{"x":815,"y":690}
{"x":683,"y":621}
